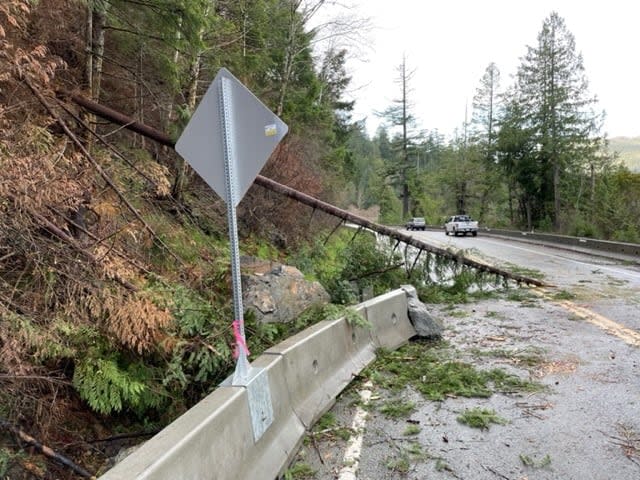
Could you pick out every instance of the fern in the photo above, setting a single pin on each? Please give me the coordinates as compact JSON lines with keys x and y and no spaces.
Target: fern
{"x":203,"y":352}
{"x":107,"y":388}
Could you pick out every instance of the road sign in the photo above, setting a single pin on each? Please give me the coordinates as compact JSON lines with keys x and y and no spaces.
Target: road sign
{"x":227,"y":141}
{"x":254,"y":131}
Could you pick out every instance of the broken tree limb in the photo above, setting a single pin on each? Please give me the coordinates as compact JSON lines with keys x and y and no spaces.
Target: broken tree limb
{"x":301,"y":197}
{"x":56,"y":231}
{"x":99,"y":241}
{"x":35,"y":378}
{"x":45,"y":450}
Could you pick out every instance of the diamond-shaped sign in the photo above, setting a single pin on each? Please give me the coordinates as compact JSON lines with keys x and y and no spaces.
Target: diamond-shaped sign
{"x":252,"y":130}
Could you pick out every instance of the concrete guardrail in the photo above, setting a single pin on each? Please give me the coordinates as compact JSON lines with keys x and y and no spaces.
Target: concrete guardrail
{"x":608,"y":246}
{"x":215,"y":439}
{"x":622,"y":248}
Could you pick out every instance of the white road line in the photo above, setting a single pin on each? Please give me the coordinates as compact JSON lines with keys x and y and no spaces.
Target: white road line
{"x":351,"y":459}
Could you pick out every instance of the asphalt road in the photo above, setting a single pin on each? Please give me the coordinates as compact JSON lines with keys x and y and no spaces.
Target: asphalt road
{"x":606,"y":286}
{"x":585,"y":332}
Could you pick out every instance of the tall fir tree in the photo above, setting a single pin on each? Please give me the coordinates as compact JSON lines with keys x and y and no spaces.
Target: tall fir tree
{"x":552,"y":92}
{"x":400,"y":116}
{"x":485,"y":121}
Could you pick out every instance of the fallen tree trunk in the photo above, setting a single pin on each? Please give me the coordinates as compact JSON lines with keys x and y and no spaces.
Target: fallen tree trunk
{"x":164,"y":139}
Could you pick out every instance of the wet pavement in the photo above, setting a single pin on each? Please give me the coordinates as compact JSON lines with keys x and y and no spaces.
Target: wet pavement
{"x":584,"y":426}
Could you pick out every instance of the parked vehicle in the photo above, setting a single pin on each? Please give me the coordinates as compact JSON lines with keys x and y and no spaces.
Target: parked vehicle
{"x":416,"y":223}
{"x":461,"y":224}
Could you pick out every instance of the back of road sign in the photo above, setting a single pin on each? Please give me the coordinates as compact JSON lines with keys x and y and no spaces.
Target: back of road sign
{"x":253,"y":133}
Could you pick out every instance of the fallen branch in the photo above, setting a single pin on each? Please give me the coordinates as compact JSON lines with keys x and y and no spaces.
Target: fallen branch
{"x":376,"y":272}
{"x":314,"y":442}
{"x":101,"y":240}
{"x":106,"y":144}
{"x":45,"y":450}
{"x":495,"y":472}
{"x":124,"y":436}
{"x":55,"y":230}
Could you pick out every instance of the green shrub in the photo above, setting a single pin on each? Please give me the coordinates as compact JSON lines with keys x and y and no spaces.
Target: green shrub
{"x":348,"y":264}
{"x":5,"y":460}
{"x":200,"y":337}
{"x":629,"y":234}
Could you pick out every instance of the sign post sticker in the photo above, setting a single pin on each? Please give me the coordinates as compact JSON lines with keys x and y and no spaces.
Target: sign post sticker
{"x":270,"y":130}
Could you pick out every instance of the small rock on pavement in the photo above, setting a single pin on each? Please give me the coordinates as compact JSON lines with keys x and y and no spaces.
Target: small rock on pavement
{"x":425,"y":325}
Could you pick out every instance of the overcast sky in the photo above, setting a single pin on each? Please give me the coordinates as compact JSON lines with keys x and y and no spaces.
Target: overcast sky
{"x":449,"y":44}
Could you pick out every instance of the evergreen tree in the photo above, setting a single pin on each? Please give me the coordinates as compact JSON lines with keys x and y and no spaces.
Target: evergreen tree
{"x":487,"y":112}
{"x":552,"y":93}
{"x":399,"y":115}
{"x":515,"y":154}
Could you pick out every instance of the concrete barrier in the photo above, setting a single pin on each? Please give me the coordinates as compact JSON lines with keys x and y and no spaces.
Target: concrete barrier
{"x":622,"y":248}
{"x":389,"y":317}
{"x":320,"y":362}
{"x":215,"y":440}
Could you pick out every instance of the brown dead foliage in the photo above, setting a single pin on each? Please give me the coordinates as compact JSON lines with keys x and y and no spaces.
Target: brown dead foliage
{"x":139,"y":324}
{"x":19,"y":58}
{"x":562,"y":367}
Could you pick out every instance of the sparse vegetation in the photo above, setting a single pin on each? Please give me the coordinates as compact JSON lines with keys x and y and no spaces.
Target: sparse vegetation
{"x":563,"y":295}
{"x":427,"y":369}
{"x":406,"y":456}
{"x":399,"y":464}
{"x":299,"y":471}
{"x":481,"y":418}
{"x":411,"y":430}
{"x":524,"y":271}
{"x":442,"y":466}
{"x":524,"y":297}
{"x":527,"y":357}
{"x":328,"y":427}
{"x":396,"y":408}
{"x":533,"y":462}
{"x":628,"y":439}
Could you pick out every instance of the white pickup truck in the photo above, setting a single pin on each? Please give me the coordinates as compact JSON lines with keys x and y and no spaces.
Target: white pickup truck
{"x":461,"y":224}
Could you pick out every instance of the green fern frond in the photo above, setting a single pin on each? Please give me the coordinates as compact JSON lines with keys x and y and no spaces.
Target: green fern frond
{"x":108,"y":388}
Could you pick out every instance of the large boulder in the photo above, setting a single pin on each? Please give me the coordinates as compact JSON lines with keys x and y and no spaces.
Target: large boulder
{"x":278,"y":293}
{"x":425,"y":325}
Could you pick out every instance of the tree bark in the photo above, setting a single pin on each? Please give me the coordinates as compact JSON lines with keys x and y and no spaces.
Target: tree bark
{"x":99,"y":34}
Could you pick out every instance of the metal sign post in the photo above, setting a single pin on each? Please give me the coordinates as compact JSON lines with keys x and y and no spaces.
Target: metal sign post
{"x":232,"y":131}
{"x":242,"y":365}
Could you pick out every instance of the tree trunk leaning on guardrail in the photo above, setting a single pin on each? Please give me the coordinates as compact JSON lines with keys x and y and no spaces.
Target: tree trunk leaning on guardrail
{"x":164,"y":139}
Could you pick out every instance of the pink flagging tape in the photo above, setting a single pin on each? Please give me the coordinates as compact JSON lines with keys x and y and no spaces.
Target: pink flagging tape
{"x":241,"y":344}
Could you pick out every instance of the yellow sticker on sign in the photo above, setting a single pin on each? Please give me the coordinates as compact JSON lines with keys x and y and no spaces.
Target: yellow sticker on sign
{"x":270,"y":130}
